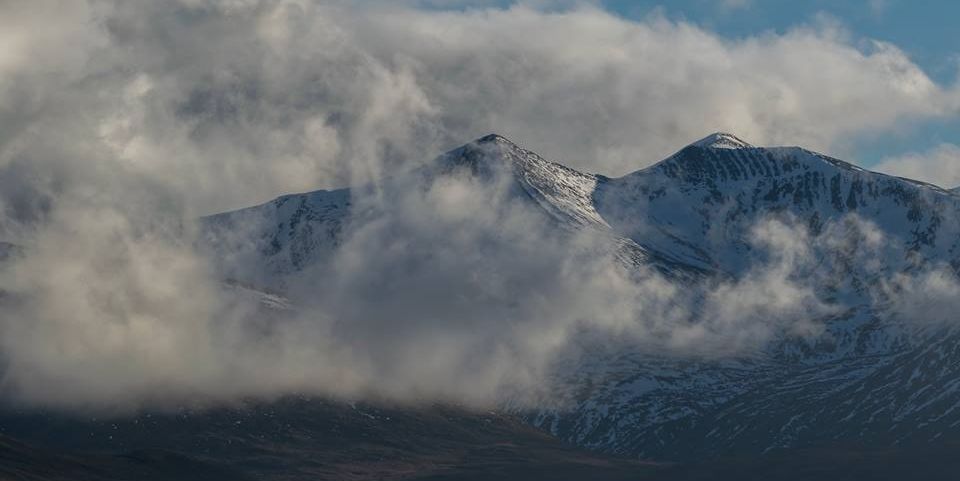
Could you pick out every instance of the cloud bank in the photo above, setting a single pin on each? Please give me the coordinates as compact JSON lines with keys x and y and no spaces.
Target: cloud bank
{"x":121,"y":122}
{"x":229,"y":103}
{"x":428,"y":298}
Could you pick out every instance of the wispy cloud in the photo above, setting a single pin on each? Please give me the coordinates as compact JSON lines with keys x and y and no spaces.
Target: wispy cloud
{"x":121,"y":122}
{"x":939,"y":166}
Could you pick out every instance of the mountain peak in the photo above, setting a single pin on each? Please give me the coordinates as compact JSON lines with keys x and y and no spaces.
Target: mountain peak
{"x":494,"y":138}
{"x":492,"y":151}
{"x":721,"y":140}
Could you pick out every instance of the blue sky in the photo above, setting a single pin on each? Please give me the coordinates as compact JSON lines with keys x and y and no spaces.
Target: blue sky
{"x":195,"y":94}
{"x":926,"y":30}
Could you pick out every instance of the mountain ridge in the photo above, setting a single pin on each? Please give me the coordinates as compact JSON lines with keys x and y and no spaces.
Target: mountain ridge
{"x":690,"y":217}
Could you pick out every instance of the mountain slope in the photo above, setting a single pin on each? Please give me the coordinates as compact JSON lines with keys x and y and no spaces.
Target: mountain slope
{"x":870,"y":377}
{"x":698,"y":203}
{"x":867,"y":378}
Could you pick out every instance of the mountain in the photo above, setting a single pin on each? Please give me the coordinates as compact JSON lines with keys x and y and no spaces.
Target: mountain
{"x":870,"y":377}
{"x":700,"y":201}
{"x":283,"y":236}
{"x":869,"y":390}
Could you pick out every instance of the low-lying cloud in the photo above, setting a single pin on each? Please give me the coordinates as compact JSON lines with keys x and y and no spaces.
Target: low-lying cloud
{"x":428,"y":298}
{"x":121,"y":122}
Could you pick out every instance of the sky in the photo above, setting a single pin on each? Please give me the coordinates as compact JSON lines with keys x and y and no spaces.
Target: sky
{"x":924,"y":31}
{"x":122,"y":122}
{"x":217,"y":88}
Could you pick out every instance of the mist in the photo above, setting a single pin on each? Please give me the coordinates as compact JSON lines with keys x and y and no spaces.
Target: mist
{"x":122,"y":123}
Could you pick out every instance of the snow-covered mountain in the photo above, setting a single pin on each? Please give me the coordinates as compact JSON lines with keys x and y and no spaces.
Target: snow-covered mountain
{"x":698,"y":203}
{"x":870,"y":377}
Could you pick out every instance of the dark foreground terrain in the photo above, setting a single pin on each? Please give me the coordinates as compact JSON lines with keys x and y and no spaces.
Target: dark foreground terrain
{"x":301,"y":439}
{"x":293,"y":440}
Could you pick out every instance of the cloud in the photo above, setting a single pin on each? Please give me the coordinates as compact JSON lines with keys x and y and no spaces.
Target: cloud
{"x":231,"y":103}
{"x":639,"y":90}
{"x":121,"y":122}
{"x":427,"y":298}
{"x":938,"y":166}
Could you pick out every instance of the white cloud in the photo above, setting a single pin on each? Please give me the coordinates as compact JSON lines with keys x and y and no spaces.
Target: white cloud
{"x":428,"y":298}
{"x":122,"y":121}
{"x":939,"y":166}
{"x":631,"y":93}
{"x":221,"y":101}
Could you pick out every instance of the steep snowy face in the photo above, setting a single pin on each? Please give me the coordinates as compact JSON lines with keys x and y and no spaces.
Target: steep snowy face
{"x":692,"y":214}
{"x":698,"y":205}
{"x":563,"y":192}
{"x":872,"y":377}
{"x":265,"y":244}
